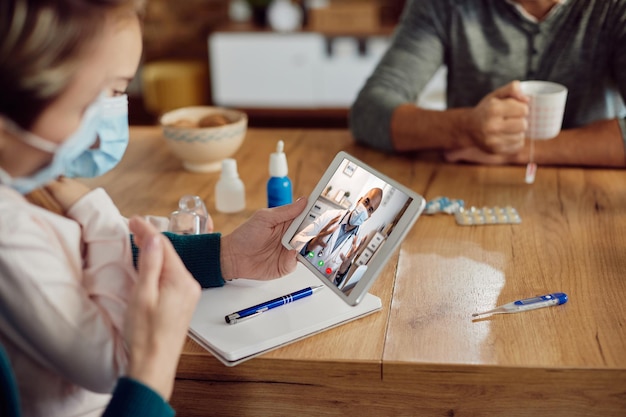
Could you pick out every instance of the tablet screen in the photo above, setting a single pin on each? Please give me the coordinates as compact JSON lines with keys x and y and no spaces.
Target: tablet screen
{"x":355,"y":219}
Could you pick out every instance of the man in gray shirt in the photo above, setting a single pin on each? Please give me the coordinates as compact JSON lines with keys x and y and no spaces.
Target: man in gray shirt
{"x":487,"y":45}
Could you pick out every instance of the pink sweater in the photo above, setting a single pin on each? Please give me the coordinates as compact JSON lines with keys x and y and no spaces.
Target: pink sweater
{"x":64,"y":283}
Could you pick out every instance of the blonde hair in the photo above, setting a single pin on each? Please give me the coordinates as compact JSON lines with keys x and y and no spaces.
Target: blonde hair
{"x":41,"y":42}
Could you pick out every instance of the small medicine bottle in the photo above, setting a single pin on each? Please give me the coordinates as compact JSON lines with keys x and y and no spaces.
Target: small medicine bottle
{"x":279,"y":185}
{"x":230,"y":193}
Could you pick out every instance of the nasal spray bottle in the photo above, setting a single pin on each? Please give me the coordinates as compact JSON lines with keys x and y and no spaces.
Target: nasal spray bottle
{"x":230,"y":193}
{"x":279,"y":185}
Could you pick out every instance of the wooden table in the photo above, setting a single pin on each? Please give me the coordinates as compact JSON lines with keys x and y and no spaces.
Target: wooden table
{"x":423,"y":354}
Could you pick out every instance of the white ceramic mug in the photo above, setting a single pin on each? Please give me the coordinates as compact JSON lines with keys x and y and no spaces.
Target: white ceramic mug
{"x":546,"y":108}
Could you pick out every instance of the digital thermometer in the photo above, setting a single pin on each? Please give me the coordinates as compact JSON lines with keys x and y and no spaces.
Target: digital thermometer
{"x":547,"y":300}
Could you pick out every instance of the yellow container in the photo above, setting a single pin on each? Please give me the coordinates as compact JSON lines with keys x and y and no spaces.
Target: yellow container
{"x":169,"y":85}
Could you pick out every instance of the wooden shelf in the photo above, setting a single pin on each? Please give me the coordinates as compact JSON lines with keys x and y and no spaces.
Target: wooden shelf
{"x":233,"y":27}
{"x":284,"y":117}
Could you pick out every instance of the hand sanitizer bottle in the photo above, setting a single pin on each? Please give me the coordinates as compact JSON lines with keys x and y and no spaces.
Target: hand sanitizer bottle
{"x":230,"y":193}
{"x":279,"y":185}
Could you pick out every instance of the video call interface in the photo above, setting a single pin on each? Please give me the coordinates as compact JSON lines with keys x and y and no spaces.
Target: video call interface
{"x":348,"y":224}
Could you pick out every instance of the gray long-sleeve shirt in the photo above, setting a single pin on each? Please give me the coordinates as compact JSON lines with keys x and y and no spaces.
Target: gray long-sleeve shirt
{"x":486,"y":44}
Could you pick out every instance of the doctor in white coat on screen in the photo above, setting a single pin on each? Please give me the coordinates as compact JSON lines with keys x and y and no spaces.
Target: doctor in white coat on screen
{"x":331,"y":241}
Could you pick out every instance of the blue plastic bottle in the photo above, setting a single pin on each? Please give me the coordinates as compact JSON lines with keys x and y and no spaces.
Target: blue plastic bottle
{"x":279,"y":185}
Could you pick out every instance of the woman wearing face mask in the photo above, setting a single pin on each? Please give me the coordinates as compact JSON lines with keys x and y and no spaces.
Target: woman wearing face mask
{"x":65,"y":279}
{"x":331,"y":241}
{"x":112,"y":128}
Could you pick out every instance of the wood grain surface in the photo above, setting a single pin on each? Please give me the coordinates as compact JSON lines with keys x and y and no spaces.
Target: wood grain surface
{"x":423,"y":354}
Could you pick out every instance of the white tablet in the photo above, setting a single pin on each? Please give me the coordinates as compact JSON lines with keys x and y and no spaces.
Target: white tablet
{"x":355,"y":219}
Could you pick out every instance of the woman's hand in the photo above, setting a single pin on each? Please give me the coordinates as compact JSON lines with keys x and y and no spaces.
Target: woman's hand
{"x":159,"y":311}
{"x":254,"y":250}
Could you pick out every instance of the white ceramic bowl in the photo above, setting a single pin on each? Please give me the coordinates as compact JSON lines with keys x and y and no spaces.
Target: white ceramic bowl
{"x":202,"y":149}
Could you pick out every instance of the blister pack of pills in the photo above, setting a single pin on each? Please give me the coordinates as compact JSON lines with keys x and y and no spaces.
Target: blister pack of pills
{"x":443,"y":205}
{"x":474,"y":216}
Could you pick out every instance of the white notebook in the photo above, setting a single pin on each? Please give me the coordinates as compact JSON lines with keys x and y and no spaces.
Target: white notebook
{"x":236,"y":343}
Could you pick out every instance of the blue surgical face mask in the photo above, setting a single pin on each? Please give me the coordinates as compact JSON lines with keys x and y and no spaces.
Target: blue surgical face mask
{"x":113,"y":139}
{"x":64,"y":153}
{"x":359,"y":215}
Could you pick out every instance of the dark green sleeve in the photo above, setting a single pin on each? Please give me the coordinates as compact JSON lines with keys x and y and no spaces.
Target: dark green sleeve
{"x":132,"y":398}
{"x":9,"y":399}
{"x":200,"y":254}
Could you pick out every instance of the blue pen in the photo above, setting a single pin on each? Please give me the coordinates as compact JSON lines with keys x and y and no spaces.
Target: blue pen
{"x":248,"y":313}
{"x":547,"y":300}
